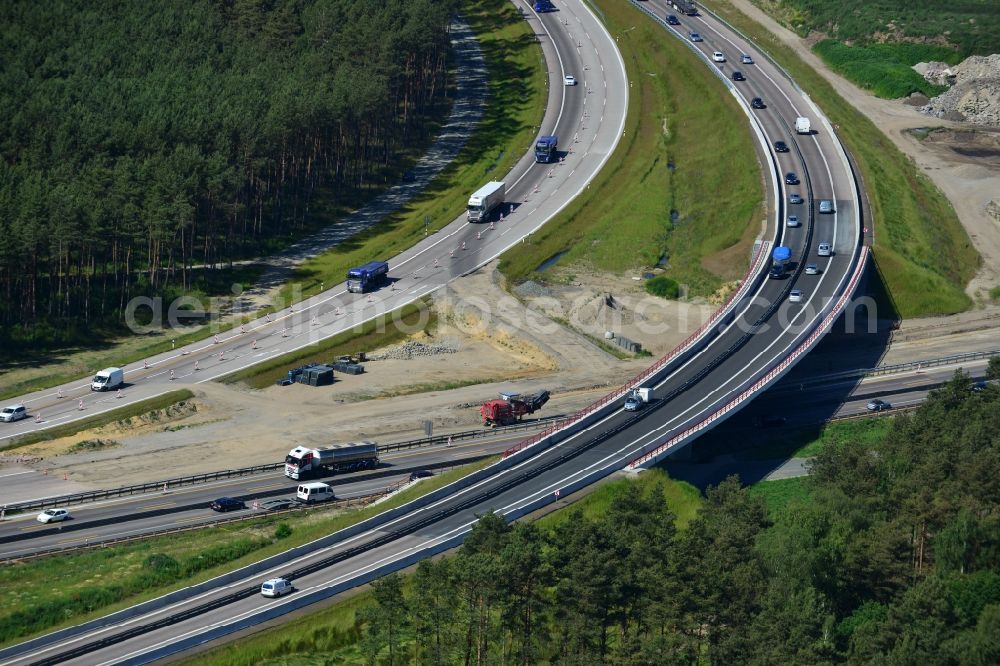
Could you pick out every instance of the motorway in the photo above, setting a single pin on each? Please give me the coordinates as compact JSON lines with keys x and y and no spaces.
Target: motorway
{"x":589,"y":123}
{"x":704,"y":382}
{"x":187,"y":506}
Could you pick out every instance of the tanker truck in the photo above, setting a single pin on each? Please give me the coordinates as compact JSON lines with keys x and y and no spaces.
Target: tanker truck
{"x":302,"y":463}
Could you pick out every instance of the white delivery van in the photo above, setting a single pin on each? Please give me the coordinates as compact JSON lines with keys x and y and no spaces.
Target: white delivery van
{"x":107,"y":379}
{"x":314,"y":492}
{"x":802,"y":125}
{"x":276,"y":587}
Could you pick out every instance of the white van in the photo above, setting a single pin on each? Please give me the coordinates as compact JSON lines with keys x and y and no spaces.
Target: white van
{"x":314,"y":492}
{"x":275,"y":587}
{"x":108,"y":379}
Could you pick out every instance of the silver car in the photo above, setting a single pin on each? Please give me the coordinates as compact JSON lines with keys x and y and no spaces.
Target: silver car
{"x":795,"y":296}
{"x":745,"y":59}
{"x":825,"y":206}
{"x":811,"y":269}
{"x":13,"y":413}
{"x":793,"y":221}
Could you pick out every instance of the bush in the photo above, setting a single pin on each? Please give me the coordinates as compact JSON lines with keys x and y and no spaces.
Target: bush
{"x":283,"y":532}
{"x":663,"y":287}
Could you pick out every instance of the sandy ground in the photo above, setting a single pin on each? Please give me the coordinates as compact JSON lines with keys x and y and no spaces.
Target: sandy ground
{"x":500,"y":345}
{"x":969,"y":180}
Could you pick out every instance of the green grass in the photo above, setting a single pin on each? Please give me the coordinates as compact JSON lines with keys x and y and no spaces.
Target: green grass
{"x":922,"y":251}
{"x":64,"y":590}
{"x":995,"y":293}
{"x":160,"y":402}
{"x":885,"y":70}
{"x":678,"y":115}
{"x":969,"y":27}
{"x":683,"y":499}
{"x":366,"y":337}
{"x":806,"y":442}
{"x":517,"y":95}
{"x":780,"y":493}
{"x":663,"y":287}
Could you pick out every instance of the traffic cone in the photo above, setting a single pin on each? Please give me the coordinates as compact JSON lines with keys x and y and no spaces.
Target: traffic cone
{"x":451,"y":253}
{"x":463,"y":245}
{"x":65,"y":478}
{"x":222,"y":356}
{"x":253,"y":345}
{"x":284,"y":332}
{"x":171,"y":375}
{"x":196,"y":368}
{"x":479,"y":235}
{"x":436,"y":262}
{"x":38,"y":417}
{"x":59,"y":394}
{"x":80,"y":406}
{"x":370,"y":299}
{"x":145,"y":365}
{"x":119,"y":393}
{"x":216,"y":339}
{"x":243,"y":329}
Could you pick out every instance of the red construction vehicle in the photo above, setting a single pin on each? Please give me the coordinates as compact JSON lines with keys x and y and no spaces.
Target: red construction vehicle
{"x":511,"y":407}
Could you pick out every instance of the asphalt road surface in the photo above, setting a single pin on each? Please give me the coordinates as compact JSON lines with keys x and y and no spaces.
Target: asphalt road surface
{"x":765,"y":329}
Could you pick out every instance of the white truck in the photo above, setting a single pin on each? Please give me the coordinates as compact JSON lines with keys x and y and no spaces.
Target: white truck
{"x":802,"y":125}
{"x":301,"y":462}
{"x":108,"y":379}
{"x":485,"y":200}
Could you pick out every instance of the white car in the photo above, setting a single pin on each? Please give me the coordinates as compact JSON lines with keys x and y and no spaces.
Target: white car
{"x":746,"y":60}
{"x":824,"y":250}
{"x":52,"y":515}
{"x":276,"y":587}
{"x":793,"y":221}
{"x":811,"y":269}
{"x":13,"y":413}
{"x":569,"y":80}
{"x":717,"y":56}
{"x":795,"y":295}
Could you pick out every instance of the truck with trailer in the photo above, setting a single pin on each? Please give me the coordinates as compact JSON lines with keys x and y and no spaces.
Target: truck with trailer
{"x":638,"y":398}
{"x":485,"y":200}
{"x":302,"y":462}
{"x":802,"y":125}
{"x":780,"y":257}
{"x":545,"y":149}
{"x":372,"y":275}
{"x":511,"y":407}
{"x":108,"y":379}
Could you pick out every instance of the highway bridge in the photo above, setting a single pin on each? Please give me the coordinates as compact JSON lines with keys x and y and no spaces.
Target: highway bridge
{"x":745,"y":347}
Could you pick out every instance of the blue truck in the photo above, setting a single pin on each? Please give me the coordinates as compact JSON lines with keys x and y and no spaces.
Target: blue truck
{"x":545,"y":149}
{"x":542,"y":6}
{"x":372,"y":275}
{"x":779,"y":261}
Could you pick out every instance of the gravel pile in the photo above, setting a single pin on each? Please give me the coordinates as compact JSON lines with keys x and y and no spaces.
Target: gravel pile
{"x":532,"y":288}
{"x":412,"y":349}
{"x":975,"y":95}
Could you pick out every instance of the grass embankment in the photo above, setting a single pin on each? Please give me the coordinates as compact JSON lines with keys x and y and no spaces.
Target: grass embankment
{"x":385,"y":330}
{"x":331,"y":635}
{"x":160,"y":402}
{"x":517,"y":94}
{"x":684,"y":183}
{"x":58,"y":591}
{"x":885,"y":70}
{"x":921,"y":249}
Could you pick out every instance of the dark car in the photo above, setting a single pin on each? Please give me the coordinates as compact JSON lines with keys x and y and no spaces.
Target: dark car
{"x":877,"y":405}
{"x":421,"y":474}
{"x":791,"y":178}
{"x":757,"y":103}
{"x":672,"y":20}
{"x":227,"y":504}
{"x":780,"y":147}
{"x":695,"y":37}
{"x":738,"y":76}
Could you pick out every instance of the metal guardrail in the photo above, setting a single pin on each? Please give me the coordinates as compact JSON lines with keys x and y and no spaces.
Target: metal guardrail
{"x":99,"y":542}
{"x":179,"y":482}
